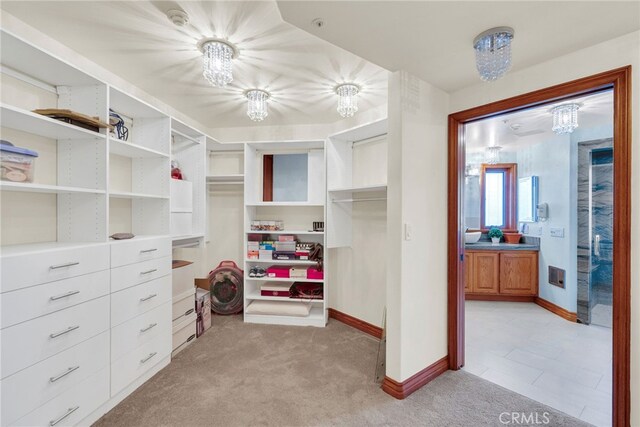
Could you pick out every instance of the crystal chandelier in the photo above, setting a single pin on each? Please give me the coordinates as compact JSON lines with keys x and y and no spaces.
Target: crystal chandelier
{"x":217,"y":66}
{"x":565,"y":118}
{"x":347,"y":99}
{"x":257,"y":104}
{"x":493,"y":154}
{"x":493,"y":52}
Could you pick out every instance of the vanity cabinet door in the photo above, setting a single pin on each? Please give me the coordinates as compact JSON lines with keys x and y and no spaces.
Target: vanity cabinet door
{"x":468,"y":271}
{"x":519,"y":273}
{"x":486,"y":273}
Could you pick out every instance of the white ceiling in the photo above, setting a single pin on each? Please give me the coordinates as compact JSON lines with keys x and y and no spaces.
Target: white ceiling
{"x":135,"y":40}
{"x":433,"y":39}
{"x":527,"y":127}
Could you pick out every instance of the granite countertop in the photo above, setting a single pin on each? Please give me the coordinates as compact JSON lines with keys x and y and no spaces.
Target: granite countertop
{"x":489,"y":246}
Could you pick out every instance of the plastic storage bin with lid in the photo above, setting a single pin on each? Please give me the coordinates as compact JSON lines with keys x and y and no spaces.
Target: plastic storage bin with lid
{"x":16,"y":164}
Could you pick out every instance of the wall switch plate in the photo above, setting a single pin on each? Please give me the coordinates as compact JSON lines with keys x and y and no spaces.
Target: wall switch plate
{"x":556,"y":231}
{"x":408,"y":231}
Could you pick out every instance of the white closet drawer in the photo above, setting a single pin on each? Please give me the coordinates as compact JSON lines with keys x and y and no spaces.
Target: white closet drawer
{"x":139,"y":330}
{"x":130,"y":275}
{"x":139,"y":299}
{"x":35,"y":340}
{"x":20,"y":271}
{"x":72,"y":406}
{"x":32,"y":387}
{"x":183,"y":306}
{"x":130,"y":366}
{"x":29,"y":303}
{"x":183,"y":279}
{"x":138,"y":249}
{"x":184,"y":333}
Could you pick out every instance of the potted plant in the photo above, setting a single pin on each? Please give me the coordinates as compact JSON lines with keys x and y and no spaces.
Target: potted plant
{"x":495,"y":234}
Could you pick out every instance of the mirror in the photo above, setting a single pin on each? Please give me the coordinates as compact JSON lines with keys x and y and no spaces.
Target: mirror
{"x":527,"y":199}
{"x":285,"y":177}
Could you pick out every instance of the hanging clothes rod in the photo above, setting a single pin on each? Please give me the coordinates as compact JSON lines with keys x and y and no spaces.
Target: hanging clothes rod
{"x":225,"y":152}
{"x":369,"y":139}
{"x":369,"y":199}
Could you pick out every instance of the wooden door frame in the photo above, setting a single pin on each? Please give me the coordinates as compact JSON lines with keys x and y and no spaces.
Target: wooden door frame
{"x":620,"y":81}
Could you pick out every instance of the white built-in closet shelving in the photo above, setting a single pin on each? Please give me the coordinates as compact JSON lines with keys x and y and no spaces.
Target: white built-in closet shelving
{"x":188,"y":198}
{"x":298,"y":218}
{"x":110,"y":300}
{"x":342,"y":189}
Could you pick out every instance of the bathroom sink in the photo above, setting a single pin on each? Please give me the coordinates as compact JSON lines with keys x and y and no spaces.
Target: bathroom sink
{"x":472,"y":236}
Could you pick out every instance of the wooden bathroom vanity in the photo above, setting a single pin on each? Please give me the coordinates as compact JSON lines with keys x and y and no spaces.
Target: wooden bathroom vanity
{"x":501,"y":272}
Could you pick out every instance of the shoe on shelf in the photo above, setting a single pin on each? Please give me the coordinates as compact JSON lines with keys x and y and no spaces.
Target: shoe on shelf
{"x":253,"y":271}
{"x":260,"y":272}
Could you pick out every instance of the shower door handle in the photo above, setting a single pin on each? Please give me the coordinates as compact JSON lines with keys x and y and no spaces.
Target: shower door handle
{"x":596,"y":245}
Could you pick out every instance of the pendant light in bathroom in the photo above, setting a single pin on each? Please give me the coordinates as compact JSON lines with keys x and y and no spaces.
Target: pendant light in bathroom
{"x":493,"y":154}
{"x":565,"y":118}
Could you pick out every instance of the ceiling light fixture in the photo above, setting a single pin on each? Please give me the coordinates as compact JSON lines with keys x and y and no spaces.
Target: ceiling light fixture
{"x":257,"y":104}
{"x":347,"y":99}
{"x":493,"y":52}
{"x":565,"y":118}
{"x":217,"y":65}
{"x":493,"y":154}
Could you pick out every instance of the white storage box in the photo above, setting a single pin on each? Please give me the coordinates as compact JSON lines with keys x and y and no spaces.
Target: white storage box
{"x":181,"y":196}
{"x":183,"y":277}
{"x":181,"y":224}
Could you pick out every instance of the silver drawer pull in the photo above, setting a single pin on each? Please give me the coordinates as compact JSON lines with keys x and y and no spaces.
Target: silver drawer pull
{"x":62,"y":417}
{"x":69,"y":264}
{"x":147,"y":298}
{"x":149,"y":271}
{"x":146,"y":359}
{"x":188,"y":312}
{"x":146,"y":251}
{"x":68,"y":294}
{"x":148,"y":327}
{"x":64,"y":374}
{"x":66,"y":331}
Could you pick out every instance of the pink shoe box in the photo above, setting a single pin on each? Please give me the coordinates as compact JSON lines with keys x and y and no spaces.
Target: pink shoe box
{"x":315,"y":274}
{"x":281,"y":271}
{"x":270,"y":289}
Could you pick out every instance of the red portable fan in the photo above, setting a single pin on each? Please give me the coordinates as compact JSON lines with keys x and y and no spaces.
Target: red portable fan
{"x":225,"y":285}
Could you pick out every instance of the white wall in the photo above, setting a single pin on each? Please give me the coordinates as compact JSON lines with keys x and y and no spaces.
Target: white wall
{"x":417,"y":197}
{"x":605,"y":56}
{"x":358,"y":273}
{"x":553,"y":161}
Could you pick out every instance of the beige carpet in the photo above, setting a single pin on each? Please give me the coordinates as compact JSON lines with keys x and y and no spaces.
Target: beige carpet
{"x":241,"y":374}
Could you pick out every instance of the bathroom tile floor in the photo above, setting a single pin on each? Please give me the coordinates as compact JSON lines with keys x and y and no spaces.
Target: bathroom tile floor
{"x":529,"y":350}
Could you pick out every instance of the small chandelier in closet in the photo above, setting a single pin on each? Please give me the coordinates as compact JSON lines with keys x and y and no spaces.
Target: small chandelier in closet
{"x":493,"y":52}
{"x":217,"y":61}
{"x":257,"y":104}
{"x":565,"y":118}
{"x":347,"y":99}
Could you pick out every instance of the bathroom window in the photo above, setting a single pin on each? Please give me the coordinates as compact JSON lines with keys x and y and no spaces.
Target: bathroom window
{"x":498,"y":201}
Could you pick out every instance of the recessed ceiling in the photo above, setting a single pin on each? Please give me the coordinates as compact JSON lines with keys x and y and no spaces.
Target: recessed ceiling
{"x":136,"y":40}
{"x":433,"y":39}
{"x":528,"y":127}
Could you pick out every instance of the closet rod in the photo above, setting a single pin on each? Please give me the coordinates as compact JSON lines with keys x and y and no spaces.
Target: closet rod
{"x":27,"y":79}
{"x":369,"y":139}
{"x":226,"y":183}
{"x":225,"y":152}
{"x":369,"y":199}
